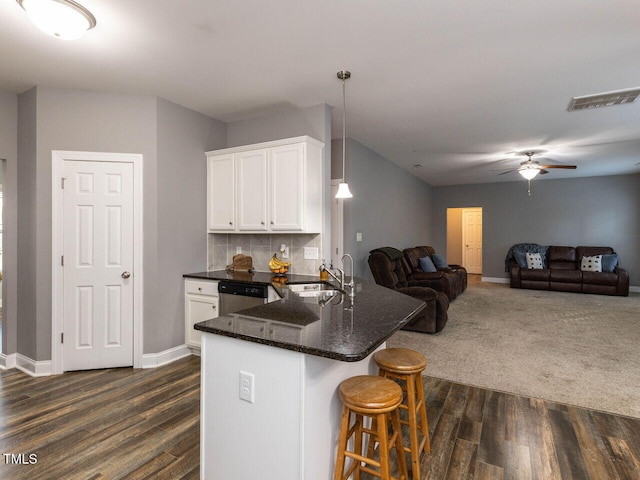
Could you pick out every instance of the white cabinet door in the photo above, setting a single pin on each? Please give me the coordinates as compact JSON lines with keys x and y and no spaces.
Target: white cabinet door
{"x":252,"y":169}
{"x":287,"y":188}
{"x":198,"y":308}
{"x":221,"y":193}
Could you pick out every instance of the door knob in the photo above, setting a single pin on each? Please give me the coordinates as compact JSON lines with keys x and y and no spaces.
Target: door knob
{"x":125,"y":275}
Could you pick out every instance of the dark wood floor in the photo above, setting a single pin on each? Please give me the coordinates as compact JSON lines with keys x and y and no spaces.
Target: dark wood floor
{"x":137,"y":424}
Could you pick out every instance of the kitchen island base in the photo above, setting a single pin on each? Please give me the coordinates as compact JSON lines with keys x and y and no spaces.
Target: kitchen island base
{"x":291,"y":429}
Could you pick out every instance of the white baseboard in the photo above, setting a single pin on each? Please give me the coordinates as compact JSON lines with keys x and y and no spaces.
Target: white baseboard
{"x":495,"y":279}
{"x":153,"y":360}
{"x":7,"y":361}
{"x":32,"y":367}
{"x":634,"y":289}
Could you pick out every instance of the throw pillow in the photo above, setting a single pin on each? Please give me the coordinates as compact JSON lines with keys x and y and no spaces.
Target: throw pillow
{"x":521,"y":259}
{"x":439,"y":261}
{"x":591,"y":264}
{"x":534,"y":261}
{"x":427,"y":265}
{"x":609,"y":262}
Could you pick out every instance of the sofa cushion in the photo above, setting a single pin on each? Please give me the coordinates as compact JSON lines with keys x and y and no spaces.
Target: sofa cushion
{"x":609,"y":262}
{"x":439,"y":261}
{"x":599,"y":278}
{"x":561,"y":258}
{"x":426,"y":265}
{"x":565,"y":276}
{"x":591,"y":264}
{"x":535,"y":275}
{"x":534,"y":261}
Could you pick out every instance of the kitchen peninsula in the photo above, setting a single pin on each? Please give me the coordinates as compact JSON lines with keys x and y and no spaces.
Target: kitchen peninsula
{"x":282,"y":420}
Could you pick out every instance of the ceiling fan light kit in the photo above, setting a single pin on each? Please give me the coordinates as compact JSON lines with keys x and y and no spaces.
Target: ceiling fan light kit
{"x":64,"y":19}
{"x":529,"y":169}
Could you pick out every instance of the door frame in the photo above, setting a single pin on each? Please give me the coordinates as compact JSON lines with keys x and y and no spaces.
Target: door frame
{"x":58,"y":157}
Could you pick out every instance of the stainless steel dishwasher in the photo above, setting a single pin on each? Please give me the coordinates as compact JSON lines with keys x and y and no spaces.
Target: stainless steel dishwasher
{"x":240,"y":296}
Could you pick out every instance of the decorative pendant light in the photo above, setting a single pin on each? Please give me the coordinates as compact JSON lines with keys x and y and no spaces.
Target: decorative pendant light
{"x":63,"y":19}
{"x":343,"y":188}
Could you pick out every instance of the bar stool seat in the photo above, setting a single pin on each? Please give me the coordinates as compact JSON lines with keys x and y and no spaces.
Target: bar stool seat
{"x":407,"y":366}
{"x":378,"y":398}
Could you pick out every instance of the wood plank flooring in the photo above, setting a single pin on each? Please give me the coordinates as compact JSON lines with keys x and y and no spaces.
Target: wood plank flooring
{"x":137,"y":424}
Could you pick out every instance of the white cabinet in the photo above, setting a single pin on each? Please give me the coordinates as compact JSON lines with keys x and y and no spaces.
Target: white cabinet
{"x":200,"y":303}
{"x":221,"y":195}
{"x":267,"y":187}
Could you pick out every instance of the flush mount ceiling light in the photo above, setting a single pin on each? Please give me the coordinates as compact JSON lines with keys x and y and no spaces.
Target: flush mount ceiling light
{"x":343,"y":188}
{"x":63,"y":19}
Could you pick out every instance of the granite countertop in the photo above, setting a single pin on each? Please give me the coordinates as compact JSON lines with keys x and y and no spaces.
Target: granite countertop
{"x":335,"y":327}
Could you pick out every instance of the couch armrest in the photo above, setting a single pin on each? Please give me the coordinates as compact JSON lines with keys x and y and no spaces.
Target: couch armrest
{"x":622,"y":288}
{"x":514,"y":276}
{"x":423,"y":293}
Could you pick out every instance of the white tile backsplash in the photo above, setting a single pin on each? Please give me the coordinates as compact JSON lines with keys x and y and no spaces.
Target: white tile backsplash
{"x":222,"y":247}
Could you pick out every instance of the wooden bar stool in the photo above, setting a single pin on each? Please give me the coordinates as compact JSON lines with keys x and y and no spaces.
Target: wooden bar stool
{"x":375,"y":397}
{"x":407,"y":366}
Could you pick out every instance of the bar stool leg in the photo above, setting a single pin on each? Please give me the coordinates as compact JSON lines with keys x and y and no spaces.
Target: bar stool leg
{"x":413,"y":426}
{"x":342,"y":444}
{"x":357,"y":446}
{"x":402,"y":461}
{"x":383,"y":446}
{"x":423,"y":414}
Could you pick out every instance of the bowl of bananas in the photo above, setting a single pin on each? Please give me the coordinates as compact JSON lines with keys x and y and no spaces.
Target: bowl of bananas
{"x":277,"y":266}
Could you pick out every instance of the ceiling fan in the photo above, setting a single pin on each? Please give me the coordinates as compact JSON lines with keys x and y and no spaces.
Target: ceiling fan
{"x":530,"y":168}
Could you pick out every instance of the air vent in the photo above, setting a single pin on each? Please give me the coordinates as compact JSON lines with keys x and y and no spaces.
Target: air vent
{"x":603,"y":99}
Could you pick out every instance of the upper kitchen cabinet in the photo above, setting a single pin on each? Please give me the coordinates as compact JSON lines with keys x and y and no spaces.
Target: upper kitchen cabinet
{"x":267,"y":187}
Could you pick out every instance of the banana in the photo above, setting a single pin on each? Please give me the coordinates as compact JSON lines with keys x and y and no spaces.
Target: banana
{"x":276,"y":263}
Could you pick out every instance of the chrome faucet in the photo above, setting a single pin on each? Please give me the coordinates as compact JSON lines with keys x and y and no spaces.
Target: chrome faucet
{"x":340,"y":277}
{"x":351,"y":284}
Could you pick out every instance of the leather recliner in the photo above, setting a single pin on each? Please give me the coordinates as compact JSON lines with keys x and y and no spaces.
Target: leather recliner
{"x":387,"y":267}
{"x":451,"y":281}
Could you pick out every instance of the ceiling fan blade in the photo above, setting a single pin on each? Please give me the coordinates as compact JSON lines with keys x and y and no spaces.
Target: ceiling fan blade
{"x":543,"y":171}
{"x":570,"y":167}
{"x":513,"y":170}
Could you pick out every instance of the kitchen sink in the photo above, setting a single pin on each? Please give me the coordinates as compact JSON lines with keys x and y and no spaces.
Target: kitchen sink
{"x":313,"y":289}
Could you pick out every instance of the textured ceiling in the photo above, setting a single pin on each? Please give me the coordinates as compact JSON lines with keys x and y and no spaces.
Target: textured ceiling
{"x":457,"y":87}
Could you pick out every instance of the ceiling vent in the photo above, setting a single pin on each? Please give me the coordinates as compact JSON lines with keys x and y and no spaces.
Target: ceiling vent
{"x":603,"y":99}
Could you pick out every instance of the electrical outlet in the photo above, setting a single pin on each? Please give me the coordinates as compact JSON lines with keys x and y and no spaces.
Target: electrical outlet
{"x":238,"y":250}
{"x":311,"y":253}
{"x":247,"y":392}
{"x":358,"y":236}
{"x":285,"y":252}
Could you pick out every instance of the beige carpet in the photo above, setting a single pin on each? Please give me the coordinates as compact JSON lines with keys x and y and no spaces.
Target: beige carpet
{"x":569,"y":348}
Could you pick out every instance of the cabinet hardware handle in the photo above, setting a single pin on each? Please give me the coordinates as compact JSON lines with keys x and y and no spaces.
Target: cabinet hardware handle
{"x":213,"y":306}
{"x":230,"y":223}
{"x":199,"y":289}
{"x":261,"y":223}
{"x":271,"y":222}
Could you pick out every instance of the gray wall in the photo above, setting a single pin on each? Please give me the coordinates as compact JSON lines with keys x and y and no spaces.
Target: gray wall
{"x":390,"y":206}
{"x":9,"y":153}
{"x":169,"y":137}
{"x":183,"y":137}
{"x":581,"y":211}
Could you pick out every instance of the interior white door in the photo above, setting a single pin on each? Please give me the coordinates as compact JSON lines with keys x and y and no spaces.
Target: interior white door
{"x":472,"y":237}
{"x":98,"y":265}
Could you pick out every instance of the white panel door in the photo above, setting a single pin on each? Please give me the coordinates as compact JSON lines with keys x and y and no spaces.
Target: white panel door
{"x":252,"y":190}
{"x":287,"y":188}
{"x":472,"y":237}
{"x":98,"y":265}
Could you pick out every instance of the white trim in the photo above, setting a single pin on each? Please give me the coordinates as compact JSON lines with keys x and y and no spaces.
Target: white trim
{"x":7,"y":361}
{"x":634,"y":289}
{"x":258,"y":146}
{"x":32,"y":367}
{"x":153,"y":360}
{"x":495,"y":279}
{"x":57,"y":158}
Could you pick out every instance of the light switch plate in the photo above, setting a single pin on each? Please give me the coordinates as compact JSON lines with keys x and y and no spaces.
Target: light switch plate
{"x":311,"y":253}
{"x":358,"y":236}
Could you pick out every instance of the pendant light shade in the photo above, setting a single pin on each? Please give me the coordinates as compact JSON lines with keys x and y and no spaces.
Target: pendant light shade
{"x":343,"y":191}
{"x":343,"y":188}
{"x":64,"y":19}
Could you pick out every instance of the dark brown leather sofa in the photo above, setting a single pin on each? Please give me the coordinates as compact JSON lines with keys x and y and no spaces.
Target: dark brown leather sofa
{"x":452,"y":281}
{"x":386,"y":265}
{"x":563,"y":273}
